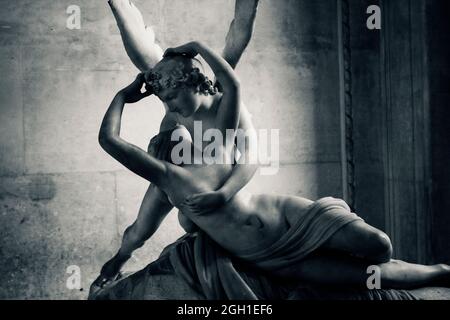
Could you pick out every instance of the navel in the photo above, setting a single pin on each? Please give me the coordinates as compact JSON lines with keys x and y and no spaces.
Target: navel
{"x":253,"y":220}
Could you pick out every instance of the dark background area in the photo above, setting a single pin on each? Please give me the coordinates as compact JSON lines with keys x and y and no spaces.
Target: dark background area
{"x":439,"y":75}
{"x":400,"y":109}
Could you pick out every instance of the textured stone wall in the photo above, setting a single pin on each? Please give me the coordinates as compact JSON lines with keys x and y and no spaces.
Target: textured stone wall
{"x":63,"y":201}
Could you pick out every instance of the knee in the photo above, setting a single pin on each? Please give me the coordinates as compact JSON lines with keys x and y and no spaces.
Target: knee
{"x":381,"y":247}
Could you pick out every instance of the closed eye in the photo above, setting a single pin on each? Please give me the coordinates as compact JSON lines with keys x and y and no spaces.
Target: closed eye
{"x":168,"y":97}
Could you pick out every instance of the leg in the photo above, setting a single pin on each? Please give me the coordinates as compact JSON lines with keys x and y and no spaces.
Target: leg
{"x":153,"y":210}
{"x":361,"y":240}
{"x":341,"y":270}
{"x":138,"y":39}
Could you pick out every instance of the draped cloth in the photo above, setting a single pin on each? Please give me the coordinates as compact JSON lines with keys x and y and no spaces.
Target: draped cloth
{"x":214,"y":273}
{"x":323,"y":218}
{"x":218,"y":274}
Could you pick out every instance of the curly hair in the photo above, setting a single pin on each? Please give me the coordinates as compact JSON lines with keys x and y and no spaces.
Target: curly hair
{"x":181,"y":76}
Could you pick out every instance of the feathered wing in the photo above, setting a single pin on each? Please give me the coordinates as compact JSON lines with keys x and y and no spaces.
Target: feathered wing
{"x":138,"y":38}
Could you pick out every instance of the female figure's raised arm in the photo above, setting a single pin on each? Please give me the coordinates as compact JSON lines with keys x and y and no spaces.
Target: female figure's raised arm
{"x":131,"y":156}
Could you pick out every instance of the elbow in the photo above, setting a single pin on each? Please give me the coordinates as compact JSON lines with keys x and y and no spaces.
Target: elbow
{"x":229,"y":81}
{"x":105,"y":141}
{"x":102,"y":140}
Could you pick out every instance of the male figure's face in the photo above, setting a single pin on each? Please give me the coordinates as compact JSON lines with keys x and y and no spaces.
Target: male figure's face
{"x":181,"y":100}
{"x":179,"y":96}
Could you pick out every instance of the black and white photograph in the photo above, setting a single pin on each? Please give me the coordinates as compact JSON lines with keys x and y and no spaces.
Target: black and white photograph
{"x":219,"y":150}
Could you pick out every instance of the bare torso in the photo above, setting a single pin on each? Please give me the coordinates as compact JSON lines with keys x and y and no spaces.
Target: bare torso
{"x":246,"y":221}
